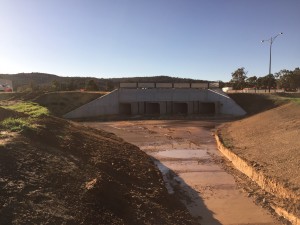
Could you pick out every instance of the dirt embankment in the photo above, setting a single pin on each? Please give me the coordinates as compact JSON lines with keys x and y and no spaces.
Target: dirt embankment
{"x":6,"y":113}
{"x":63,"y":173}
{"x":269,"y":141}
{"x":257,"y":103}
{"x":58,"y":103}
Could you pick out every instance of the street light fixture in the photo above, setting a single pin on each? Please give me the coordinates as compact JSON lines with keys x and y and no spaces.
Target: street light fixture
{"x":271,"y":40}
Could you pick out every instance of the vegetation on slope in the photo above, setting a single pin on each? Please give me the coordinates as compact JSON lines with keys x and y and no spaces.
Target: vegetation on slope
{"x":60,"y":103}
{"x":256,"y":103}
{"x":20,"y":116}
{"x":57,"y":103}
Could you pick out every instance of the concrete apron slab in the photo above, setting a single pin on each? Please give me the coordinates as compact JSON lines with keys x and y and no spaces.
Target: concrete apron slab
{"x":182,"y":152}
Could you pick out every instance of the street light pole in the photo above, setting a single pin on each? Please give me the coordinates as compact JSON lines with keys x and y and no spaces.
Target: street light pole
{"x":271,"y":40}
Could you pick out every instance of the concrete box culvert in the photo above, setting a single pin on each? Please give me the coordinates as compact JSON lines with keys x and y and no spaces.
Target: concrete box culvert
{"x":159,"y":101}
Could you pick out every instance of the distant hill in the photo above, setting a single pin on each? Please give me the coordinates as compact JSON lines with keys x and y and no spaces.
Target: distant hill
{"x":24,"y":81}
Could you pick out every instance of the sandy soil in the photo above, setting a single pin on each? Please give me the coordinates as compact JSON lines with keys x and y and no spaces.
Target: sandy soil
{"x":270,"y":142}
{"x":63,"y":173}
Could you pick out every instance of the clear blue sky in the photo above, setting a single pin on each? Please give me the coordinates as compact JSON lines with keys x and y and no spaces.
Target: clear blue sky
{"x":123,"y":38}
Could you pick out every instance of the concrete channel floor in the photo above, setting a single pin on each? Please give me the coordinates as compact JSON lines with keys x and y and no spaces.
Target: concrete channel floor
{"x":183,"y":151}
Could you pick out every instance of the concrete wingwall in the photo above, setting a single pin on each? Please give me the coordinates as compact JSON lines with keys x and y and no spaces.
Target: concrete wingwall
{"x":161,"y":101}
{"x":105,"y":105}
{"x":228,"y":105}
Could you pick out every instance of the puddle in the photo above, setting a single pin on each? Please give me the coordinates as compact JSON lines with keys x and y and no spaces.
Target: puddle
{"x":163,"y":169}
{"x":166,"y":176}
{"x":183,"y":154}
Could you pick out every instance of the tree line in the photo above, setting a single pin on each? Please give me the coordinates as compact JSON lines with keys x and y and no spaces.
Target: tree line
{"x":284,"y":79}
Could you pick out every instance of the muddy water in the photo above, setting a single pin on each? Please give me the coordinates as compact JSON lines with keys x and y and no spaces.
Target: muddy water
{"x":184,"y":151}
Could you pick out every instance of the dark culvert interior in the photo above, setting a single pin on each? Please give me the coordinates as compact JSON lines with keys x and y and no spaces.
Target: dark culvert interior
{"x":180,"y":108}
{"x":152,"y":108}
{"x":207,"y":108}
{"x":125,"y":108}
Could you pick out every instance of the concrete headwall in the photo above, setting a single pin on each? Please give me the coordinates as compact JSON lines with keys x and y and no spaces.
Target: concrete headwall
{"x":159,"y":101}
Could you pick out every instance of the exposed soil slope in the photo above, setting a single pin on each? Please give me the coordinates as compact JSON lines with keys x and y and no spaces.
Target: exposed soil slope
{"x":256,"y":103}
{"x":270,"y":141}
{"x":63,"y":173}
{"x":58,"y":103}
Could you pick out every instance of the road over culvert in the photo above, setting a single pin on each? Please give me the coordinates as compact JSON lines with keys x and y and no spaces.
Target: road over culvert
{"x":185,"y":152}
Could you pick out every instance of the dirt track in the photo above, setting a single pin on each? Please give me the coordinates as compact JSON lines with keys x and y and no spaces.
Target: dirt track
{"x":185,"y":151}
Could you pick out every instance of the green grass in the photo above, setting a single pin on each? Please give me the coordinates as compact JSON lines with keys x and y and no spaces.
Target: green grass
{"x":33,"y":110}
{"x":29,"y":108}
{"x":289,"y":97}
{"x":16,"y":124}
{"x":293,"y":97}
{"x":297,"y":100}
{"x":286,"y":99}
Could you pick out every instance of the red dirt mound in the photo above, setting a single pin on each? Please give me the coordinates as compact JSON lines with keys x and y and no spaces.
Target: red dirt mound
{"x":63,"y":173}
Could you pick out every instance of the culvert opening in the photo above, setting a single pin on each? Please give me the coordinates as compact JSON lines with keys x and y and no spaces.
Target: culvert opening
{"x":152,"y":108}
{"x":180,"y":108}
{"x":125,"y":108}
{"x":207,"y":108}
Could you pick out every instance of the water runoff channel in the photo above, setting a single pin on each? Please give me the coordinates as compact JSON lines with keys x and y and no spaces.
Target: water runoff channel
{"x":184,"y":152}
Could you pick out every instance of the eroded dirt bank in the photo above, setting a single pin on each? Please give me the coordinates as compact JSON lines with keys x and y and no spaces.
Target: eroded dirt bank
{"x":63,"y":173}
{"x":269,"y":142}
{"x":187,"y":155}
